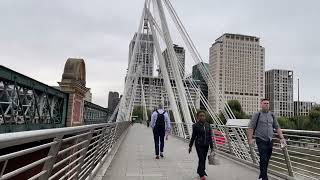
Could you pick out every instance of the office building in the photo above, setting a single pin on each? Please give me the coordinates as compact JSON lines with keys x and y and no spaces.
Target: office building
{"x":144,"y":56}
{"x":196,"y":74}
{"x":201,"y":83}
{"x":303,"y":108}
{"x":155,"y":93}
{"x":180,"y":53}
{"x":236,"y":63}
{"x":113,"y":100}
{"x":154,"y":90}
{"x":279,"y":91}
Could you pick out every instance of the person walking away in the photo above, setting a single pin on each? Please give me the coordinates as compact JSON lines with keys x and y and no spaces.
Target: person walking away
{"x":202,"y":137}
{"x":160,"y":124}
{"x":148,"y":123}
{"x":262,"y":126}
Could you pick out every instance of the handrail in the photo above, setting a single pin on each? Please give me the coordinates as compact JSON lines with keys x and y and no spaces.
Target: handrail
{"x":304,"y":132}
{"x":11,"y":139}
{"x":300,"y":159}
{"x":60,"y":152}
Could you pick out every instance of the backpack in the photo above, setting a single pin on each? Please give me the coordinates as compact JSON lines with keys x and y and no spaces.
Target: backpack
{"x":160,"y":123}
{"x":254,"y":131}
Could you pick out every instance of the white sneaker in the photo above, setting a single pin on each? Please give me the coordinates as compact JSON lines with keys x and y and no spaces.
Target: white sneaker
{"x":260,"y":179}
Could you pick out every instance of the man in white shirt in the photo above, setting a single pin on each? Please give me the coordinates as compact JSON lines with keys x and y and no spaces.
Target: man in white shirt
{"x":160,"y":124}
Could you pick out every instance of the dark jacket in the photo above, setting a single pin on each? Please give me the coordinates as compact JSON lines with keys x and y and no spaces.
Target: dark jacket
{"x":201,"y":134}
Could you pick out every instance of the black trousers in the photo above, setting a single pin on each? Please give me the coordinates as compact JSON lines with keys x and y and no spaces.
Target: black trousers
{"x":265,"y":152}
{"x":158,"y":134}
{"x":202,"y":152}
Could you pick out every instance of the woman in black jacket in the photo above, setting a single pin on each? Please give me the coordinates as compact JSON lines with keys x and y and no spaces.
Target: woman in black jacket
{"x":202,"y":136}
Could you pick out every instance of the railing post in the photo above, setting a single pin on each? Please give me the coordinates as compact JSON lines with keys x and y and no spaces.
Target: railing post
{"x":83,"y":153}
{"x":118,"y":127}
{"x":113,"y":136}
{"x":186,"y":130}
{"x":99,"y":146}
{"x":190,"y":130}
{"x":172,"y":129}
{"x":179,"y":130}
{"x":228,"y":139}
{"x":48,"y":165}
{"x":288,"y":161}
{"x":253,"y":153}
{"x":176,"y":127}
{"x":182,"y":131}
{"x":108,"y":143}
{"x":107,"y":136}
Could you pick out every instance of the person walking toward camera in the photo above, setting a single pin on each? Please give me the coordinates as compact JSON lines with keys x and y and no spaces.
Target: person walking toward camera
{"x":202,"y":137}
{"x":262,"y":126}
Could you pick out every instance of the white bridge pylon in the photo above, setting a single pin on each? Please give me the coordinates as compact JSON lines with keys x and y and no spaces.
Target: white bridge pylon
{"x":154,"y":18}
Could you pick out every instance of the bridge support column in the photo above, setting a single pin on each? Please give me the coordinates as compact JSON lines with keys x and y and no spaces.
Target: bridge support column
{"x":74,"y":83}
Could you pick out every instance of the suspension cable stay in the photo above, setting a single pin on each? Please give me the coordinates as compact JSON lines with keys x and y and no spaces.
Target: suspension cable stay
{"x":152,"y":37}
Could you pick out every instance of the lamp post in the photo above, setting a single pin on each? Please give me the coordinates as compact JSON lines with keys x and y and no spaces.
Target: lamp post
{"x":298,"y":106}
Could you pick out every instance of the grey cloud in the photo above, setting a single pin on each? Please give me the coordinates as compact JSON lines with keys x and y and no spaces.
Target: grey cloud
{"x":45,"y":33}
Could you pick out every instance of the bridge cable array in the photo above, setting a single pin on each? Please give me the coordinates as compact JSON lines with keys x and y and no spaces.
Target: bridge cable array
{"x":178,"y":93}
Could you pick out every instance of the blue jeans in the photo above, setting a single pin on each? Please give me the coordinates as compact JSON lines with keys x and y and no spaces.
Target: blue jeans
{"x":265,"y":152}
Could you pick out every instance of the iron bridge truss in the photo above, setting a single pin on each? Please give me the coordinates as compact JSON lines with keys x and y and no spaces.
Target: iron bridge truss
{"x":26,"y":104}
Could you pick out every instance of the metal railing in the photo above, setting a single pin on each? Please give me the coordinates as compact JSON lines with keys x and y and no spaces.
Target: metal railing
{"x":280,"y":163}
{"x":63,"y":153}
{"x":299,"y":160}
{"x":94,"y":114}
{"x":304,"y":151}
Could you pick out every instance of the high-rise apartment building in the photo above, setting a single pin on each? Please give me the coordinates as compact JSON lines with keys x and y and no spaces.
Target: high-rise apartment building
{"x":144,"y":55}
{"x":196,"y":74}
{"x":180,"y":52}
{"x":201,"y":83}
{"x":113,"y":100}
{"x":236,"y":63}
{"x":154,"y":91}
{"x":303,"y":108}
{"x":279,"y":91}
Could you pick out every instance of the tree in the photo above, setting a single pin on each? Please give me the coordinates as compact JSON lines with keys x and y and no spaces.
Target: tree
{"x":301,"y":122}
{"x":283,"y":122}
{"x":305,"y":123}
{"x":223,"y":119}
{"x":236,"y":108}
{"x":286,"y":123}
{"x":138,"y":112}
{"x":209,"y":118}
{"x":314,"y":117}
{"x":171,"y":116}
{"x":235,"y":105}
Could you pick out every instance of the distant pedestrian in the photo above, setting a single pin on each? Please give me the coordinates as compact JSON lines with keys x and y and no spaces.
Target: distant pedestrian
{"x":262,"y":126}
{"x":202,"y":137}
{"x":148,"y":123}
{"x":160,"y":124}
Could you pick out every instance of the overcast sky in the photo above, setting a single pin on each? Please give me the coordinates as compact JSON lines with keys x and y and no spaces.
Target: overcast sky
{"x":37,"y":36}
